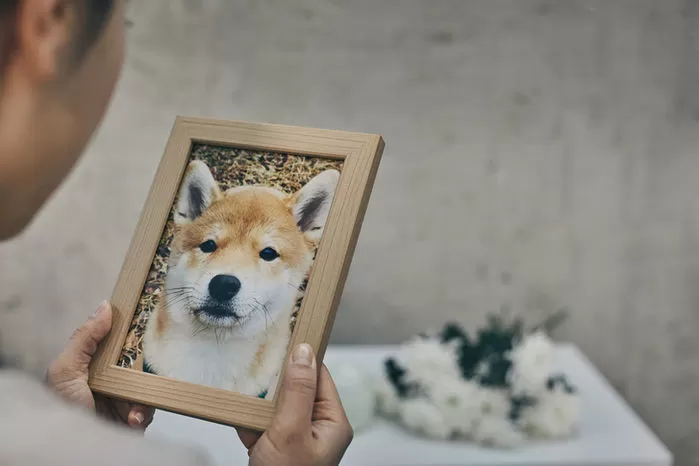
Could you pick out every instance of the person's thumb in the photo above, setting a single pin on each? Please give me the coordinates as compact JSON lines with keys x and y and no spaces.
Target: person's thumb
{"x":295,"y":408}
{"x":83,"y":344}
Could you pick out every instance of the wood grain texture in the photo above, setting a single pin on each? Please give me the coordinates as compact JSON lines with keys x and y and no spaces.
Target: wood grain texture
{"x":211,"y":404}
{"x":360,"y":153}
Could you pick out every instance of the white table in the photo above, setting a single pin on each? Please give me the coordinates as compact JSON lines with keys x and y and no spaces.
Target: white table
{"x":611,"y":434}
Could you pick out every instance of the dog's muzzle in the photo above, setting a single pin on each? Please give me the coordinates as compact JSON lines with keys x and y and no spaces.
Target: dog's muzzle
{"x":218,"y":309}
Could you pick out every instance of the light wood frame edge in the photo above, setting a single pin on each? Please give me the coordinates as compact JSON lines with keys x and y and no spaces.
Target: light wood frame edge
{"x":361,"y":154}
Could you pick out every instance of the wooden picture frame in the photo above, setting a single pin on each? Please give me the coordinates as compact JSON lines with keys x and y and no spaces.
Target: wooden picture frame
{"x":360,"y":155}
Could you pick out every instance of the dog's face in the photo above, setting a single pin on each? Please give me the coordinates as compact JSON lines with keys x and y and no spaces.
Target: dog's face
{"x":239,"y":257}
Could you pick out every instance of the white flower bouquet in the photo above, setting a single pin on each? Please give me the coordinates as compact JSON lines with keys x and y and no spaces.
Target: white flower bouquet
{"x":497,"y":389}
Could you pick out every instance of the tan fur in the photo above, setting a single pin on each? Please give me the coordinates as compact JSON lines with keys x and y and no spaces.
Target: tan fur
{"x":259,"y":360}
{"x":240,"y":221}
{"x":162,"y":319}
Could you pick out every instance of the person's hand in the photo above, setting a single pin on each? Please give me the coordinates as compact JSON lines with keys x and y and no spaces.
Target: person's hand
{"x":67,"y":375}
{"x":310,"y":427}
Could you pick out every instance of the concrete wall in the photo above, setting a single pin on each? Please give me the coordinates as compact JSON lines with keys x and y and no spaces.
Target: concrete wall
{"x":540,"y":154}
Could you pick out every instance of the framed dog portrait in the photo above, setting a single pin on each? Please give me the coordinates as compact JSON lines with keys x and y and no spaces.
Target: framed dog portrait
{"x":240,"y":254}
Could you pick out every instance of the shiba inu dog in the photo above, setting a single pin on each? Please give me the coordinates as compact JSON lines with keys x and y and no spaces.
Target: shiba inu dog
{"x":237,"y":261}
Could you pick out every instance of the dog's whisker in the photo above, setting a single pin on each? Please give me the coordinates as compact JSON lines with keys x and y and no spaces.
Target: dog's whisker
{"x":178,"y":293}
{"x":295,"y":287}
{"x":176,"y":300}
{"x":177,"y":296}
{"x":266,"y":312}
{"x":179,"y":288}
{"x":260,"y":307}
{"x":268,"y":317}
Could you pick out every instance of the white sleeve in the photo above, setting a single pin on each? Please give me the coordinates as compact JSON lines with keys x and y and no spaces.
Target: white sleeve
{"x":38,"y":429}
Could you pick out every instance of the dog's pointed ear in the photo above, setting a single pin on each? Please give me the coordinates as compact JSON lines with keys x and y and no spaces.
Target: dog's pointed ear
{"x":311,"y":204}
{"x":197,"y":192}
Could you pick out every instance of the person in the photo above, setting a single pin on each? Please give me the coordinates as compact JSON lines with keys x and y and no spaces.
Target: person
{"x":59,"y":63}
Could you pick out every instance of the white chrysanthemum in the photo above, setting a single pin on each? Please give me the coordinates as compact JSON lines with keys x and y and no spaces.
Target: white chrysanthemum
{"x":465,"y":404}
{"x":428,"y":361}
{"x":493,"y":402}
{"x":459,"y":403}
{"x":556,"y":415}
{"x":423,"y":417}
{"x":387,"y":401}
{"x":494,"y":431}
{"x":531,"y":364}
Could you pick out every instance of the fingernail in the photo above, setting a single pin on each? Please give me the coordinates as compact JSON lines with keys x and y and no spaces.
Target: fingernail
{"x":303,"y":355}
{"x":139,"y":418}
{"x":102,"y":307}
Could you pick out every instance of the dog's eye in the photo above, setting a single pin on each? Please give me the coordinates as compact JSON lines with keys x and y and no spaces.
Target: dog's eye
{"x":208,"y":246}
{"x":268,"y":254}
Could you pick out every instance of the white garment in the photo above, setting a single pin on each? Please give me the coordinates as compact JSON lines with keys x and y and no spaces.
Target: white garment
{"x":39,"y":429}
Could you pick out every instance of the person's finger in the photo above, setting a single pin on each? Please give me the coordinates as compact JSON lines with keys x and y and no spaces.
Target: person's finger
{"x":248,"y":437}
{"x":328,"y":406}
{"x":329,"y":415}
{"x":327,"y":391}
{"x":136,"y":416}
{"x":76,"y":356}
{"x":139,"y":416}
{"x":83,"y":344}
{"x":295,"y":407}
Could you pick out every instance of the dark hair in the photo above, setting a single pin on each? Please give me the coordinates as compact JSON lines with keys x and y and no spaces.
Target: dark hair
{"x":6,"y":6}
{"x":93,"y":15}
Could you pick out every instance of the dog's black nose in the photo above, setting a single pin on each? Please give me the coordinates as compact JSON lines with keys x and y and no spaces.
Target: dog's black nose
{"x":224,"y":287}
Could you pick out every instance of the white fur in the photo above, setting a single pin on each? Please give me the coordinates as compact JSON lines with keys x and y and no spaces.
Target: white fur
{"x":218,"y":357}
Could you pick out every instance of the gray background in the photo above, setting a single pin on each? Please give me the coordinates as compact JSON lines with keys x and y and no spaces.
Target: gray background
{"x":540,"y":154}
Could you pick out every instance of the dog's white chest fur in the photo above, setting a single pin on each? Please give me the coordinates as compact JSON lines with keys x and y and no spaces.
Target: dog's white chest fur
{"x":219,"y":359}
